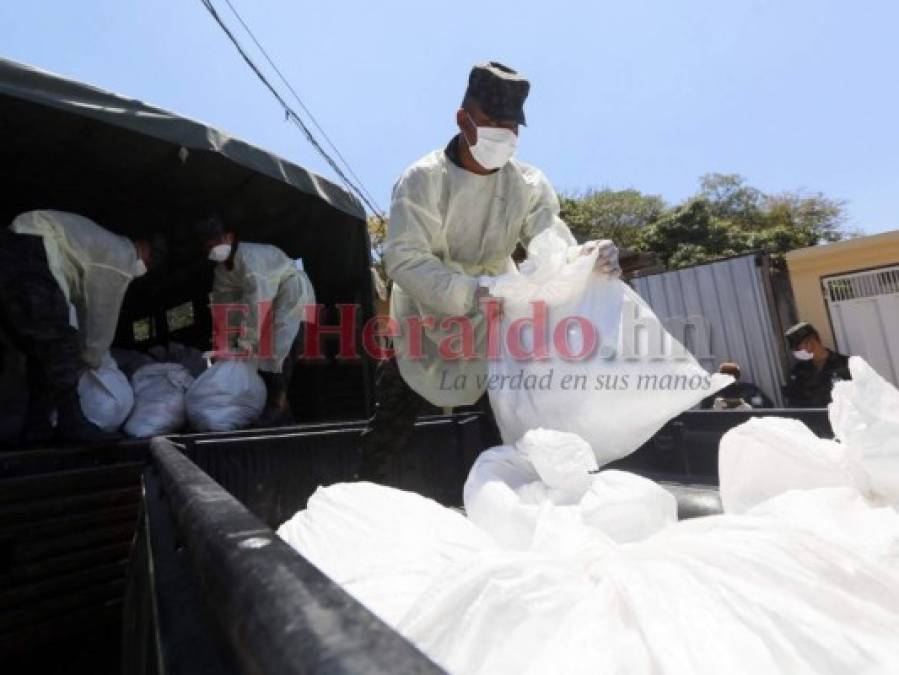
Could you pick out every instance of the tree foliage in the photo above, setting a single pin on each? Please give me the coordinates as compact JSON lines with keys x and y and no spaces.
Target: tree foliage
{"x":618,"y":215}
{"x":725,"y":217}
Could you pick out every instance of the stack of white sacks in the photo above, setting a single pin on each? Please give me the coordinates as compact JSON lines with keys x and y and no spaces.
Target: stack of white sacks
{"x":558,"y":568}
{"x":169,"y":392}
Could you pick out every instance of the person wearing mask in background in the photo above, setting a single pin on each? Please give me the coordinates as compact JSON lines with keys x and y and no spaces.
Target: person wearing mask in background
{"x":816,"y":370}
{"x":738,"y":394}
{"x":456,"y":216}
{"x":62,"y":281}
{"x":263,"y":278}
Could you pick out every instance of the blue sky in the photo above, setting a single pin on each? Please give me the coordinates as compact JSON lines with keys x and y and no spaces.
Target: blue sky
{"x":649,"y":94}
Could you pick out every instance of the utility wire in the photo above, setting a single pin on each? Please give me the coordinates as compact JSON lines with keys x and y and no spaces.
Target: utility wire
{"x":289,"y":113}
{"x":299,"y":100}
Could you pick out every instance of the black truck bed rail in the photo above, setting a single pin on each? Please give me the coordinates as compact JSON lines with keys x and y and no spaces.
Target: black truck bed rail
{"x":273,"y":611}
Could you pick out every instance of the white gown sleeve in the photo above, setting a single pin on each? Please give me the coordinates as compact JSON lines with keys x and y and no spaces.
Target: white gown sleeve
{"x":413,"y":243}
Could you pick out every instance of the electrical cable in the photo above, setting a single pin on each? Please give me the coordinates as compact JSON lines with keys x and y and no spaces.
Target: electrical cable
{"x":289,"y":113}
{"x":299,"y":100}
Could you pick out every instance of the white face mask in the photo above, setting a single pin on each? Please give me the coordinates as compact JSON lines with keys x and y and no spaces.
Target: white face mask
{"x":139,"y":268}
{"x":220,"y":252}
{"x":803,"y":355}
{"x":495,"y":146}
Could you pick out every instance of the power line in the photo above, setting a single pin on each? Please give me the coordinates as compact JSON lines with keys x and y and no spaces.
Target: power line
{"x":289,"y":113}
{"x":299,"y":100}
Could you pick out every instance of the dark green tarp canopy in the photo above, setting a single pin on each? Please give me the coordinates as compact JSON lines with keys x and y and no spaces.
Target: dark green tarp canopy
{"x":84,"y":104}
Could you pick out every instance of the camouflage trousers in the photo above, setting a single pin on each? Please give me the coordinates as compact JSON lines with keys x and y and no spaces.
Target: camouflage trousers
{"x":389,"y":431}
{"x":388,"y":434}
{"x":35,"y":315}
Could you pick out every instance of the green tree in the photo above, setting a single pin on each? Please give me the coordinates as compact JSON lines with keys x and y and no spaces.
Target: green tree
{"x":618,"y":215}
{"x":728,"y":217}
{"x":730,"y":199}
{"x":690,"y":234}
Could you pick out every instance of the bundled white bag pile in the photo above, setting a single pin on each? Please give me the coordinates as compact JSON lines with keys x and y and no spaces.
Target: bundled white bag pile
{"x":106,"y":395}
{"x":517,"y":493}
{"x":561,"y":568}
{"x":555,"y":573}
{"x":637,"y":378}
{"x":162,"y":396}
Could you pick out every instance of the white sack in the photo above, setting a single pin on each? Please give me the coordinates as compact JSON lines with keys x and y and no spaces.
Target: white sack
{"x":525,"y":495}
{"x":765,"y":592}
{"x":767,"y":456}
{"x":623,"y":401}
{"x":384,"y":546}
{"x":106,"y":395}
{"x":159,"y":401}
{"x":864,"y":416}
{"x":230,"y":395}
{"x":807,"y":582}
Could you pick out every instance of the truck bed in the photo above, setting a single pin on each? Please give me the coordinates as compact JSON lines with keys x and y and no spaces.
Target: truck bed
{"x":68,"y":518}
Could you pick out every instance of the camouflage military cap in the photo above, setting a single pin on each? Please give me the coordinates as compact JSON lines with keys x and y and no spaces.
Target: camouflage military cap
{"x":499,"y":90}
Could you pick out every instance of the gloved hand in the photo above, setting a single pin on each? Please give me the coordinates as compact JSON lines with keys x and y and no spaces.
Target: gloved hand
{"x":606,"y":259}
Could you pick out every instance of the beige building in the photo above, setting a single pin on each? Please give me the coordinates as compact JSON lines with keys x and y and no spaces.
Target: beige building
{"x":849,"y":291}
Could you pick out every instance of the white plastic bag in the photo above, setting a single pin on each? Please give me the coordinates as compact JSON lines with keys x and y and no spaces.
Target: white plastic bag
{"x":588,"y":572}
{"x":159,"y":401}
{"x":806,"y":582}
{"x":767,"y":592}
{"x":524,"y":496}
{"x":864,"y":416}
{"x":106,"y":395}
{"x":403,"y":540}
{"x":617,"y":397}
{"x":768,"y":456}
{"x":230,"y":395}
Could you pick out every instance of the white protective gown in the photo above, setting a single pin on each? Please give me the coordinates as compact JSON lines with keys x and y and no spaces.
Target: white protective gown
{"x":93,"y":268}
{"x":449,"y":226}
{"x":263,"y":273}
